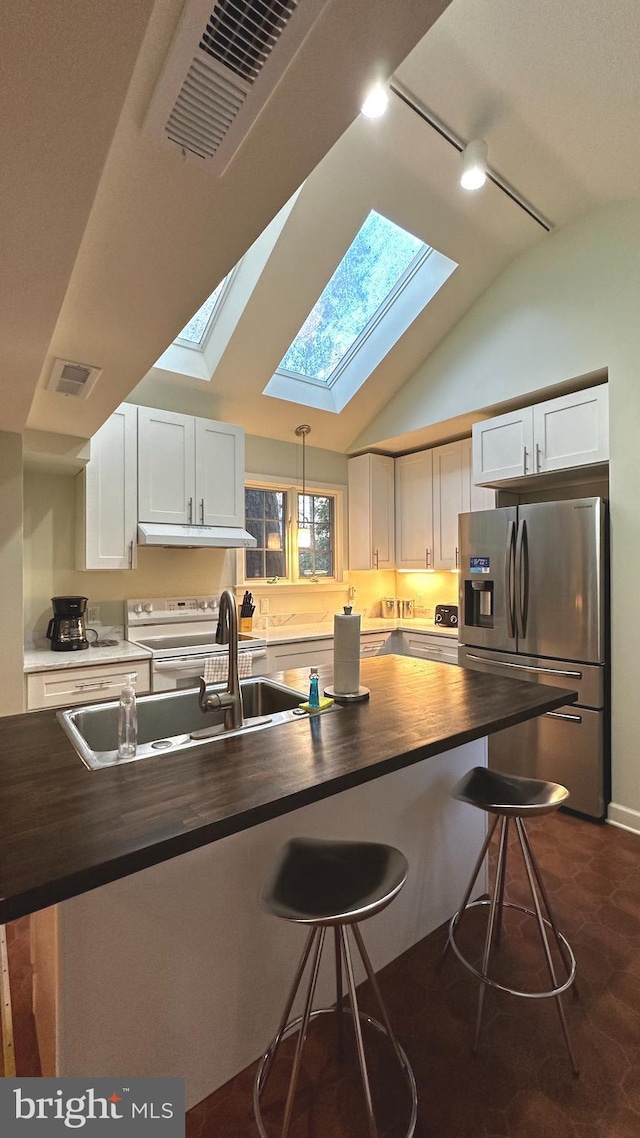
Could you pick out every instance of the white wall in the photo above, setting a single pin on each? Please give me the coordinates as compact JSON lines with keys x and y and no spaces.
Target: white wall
{"x":568,"y":307}
{"x":11,"y":675}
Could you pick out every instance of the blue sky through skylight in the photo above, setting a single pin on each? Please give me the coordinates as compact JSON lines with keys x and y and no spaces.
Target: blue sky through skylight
{"x":377,"y":258}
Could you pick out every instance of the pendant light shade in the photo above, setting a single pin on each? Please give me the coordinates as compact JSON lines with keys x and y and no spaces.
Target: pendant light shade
{"x":474,"y":164}
{"x":304,"y":530}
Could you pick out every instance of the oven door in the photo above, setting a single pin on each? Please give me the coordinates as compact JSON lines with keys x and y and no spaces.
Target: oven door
{"x":171,"y":672}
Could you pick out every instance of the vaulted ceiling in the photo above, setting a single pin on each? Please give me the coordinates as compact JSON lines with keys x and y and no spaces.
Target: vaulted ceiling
{"x":111,"y":242}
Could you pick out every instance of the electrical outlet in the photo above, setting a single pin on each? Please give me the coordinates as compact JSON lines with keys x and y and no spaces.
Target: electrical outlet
{"x":420,"y":601}
{"x":93,"y":614}
{"x":264,"y":605}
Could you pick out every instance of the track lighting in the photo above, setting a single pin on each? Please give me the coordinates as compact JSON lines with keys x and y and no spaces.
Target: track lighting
{"x":474,"y":164}
{"x":376,"y":101}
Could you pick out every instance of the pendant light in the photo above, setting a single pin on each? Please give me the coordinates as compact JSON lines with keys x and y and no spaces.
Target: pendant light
{"x":304,"y":530}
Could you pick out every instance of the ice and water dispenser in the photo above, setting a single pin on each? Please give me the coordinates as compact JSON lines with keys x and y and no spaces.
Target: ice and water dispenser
{"x":478,"y":603}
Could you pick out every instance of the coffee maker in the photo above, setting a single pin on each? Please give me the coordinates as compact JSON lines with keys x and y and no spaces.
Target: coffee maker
{"x":66,"y":629}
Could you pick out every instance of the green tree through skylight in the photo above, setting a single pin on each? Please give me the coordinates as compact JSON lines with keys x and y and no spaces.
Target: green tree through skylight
{"x":369,"y":271}
{"x":194,"y":331}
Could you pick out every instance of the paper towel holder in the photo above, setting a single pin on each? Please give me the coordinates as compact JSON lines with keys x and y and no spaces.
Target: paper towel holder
{"x":348,"y":697}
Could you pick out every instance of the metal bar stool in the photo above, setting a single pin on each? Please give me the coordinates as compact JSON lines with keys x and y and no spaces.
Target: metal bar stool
{"x":332,"y":884}
{"x":511,"y":797}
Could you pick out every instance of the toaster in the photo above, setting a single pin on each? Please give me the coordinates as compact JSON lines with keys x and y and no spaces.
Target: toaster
{"x":447,"y":616}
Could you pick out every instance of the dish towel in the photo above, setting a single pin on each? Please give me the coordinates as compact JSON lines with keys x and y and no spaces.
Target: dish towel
{"x":216,"y":668}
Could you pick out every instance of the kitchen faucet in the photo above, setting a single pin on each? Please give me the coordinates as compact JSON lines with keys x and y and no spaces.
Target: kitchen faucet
{"x":231,"y":700}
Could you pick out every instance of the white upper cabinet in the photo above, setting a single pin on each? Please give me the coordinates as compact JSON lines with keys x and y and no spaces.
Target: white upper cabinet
{"x":414,"y":510}
{"x":371,"y":512}
{"x":106,"y":496}
{"x":503,"y":447}
{"x":559,"y":434}
{"x":572,"y":430}
{"x":448,"y":502}
{"x":473,"y":497}
{"x":219,"y":474}
{"x":190,"y":471}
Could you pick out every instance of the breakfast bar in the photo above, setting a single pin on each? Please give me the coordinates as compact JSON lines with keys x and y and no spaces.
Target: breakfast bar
{"x":147,"y":962}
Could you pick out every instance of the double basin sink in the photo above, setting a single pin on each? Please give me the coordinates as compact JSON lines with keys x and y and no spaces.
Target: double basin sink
{"x":173,"y":721}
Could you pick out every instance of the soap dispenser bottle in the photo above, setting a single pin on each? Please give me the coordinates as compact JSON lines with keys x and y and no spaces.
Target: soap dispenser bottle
{"x":314,"y":694}
{"x":127,"y":721}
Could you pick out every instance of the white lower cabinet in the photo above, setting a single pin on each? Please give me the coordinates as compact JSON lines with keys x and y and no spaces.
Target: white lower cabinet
{"x":65,"y":687}
{"x":300,"y":654}
{"x":375,"y":644}
{"x":425,"y":646}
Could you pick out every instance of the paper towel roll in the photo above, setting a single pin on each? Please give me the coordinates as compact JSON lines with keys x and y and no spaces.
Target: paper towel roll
{"x":346,"y":653}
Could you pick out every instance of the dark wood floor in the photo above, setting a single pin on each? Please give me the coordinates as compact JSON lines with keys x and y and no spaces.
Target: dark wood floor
{"x":520,"y":1085}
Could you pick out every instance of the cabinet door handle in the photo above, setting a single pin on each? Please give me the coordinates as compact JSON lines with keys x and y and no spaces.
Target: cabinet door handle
{"x":375,"y":554}
{"x":131,"y":554}
{"x":190,"y":511}
{"x":537,"y":458}
{"x":202,"y":511}
{"x":427,"y":557}
{"x":524,"y":460}
{"x":457,"y":558}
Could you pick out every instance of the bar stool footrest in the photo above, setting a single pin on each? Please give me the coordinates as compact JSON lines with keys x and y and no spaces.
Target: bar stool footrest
{"x":293,"y":1027}
{"x":569,"y":961}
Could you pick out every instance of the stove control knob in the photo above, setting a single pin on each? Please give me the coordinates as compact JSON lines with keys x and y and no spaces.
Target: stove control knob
{"x":212,"y":605}
{"x":202,"y":604}
{"x":137,"y":608}
{"x":148,"y":608}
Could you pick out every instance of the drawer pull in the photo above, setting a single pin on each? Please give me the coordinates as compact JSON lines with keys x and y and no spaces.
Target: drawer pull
{"x":561,"y":715}
{"x":87,"y":685}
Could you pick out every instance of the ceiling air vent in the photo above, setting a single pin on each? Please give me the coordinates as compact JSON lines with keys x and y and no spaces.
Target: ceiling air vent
{"x":68,"y":378}
{"x":223,"y":65}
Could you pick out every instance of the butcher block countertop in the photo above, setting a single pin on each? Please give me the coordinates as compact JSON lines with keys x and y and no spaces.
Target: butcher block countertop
{"x":65,"y":829}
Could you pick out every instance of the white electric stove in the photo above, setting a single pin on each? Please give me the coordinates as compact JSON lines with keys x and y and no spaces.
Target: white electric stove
{"x":180,"y":633}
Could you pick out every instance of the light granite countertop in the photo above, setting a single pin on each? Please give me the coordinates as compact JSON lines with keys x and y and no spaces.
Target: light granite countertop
{"x":44,"y":660}
{"x":284,"y":633}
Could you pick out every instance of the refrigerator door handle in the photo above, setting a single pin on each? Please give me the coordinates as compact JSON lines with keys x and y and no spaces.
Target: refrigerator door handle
{"x":525,"y":667}
{"x":509,"y":583}
{"x":522,"y":578}
{"x":559,"y":715}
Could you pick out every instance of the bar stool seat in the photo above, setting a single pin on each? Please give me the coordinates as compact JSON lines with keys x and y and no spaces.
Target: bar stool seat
{"x":333,"y":885}
{"x":513,"y":798}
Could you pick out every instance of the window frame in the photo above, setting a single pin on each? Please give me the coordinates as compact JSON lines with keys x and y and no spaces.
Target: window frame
{"x":294,"y":581}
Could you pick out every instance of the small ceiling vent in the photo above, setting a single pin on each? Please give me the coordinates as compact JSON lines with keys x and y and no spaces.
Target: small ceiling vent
{"x":68,"y":378}
{"x":223,"y":65}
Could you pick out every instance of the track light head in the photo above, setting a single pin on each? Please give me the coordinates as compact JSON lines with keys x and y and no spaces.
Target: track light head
{"x":474,"y":164}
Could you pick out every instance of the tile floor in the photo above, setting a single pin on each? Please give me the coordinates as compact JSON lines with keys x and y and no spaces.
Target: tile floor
{"x":520,"y":1085}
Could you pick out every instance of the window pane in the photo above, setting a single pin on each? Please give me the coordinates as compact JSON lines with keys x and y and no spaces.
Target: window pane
{"x":194,"y":331}
{"x":265,"y":519}
{"x":254,"y":563}
{"x":367,"y":274}
{"x":318,"y":559}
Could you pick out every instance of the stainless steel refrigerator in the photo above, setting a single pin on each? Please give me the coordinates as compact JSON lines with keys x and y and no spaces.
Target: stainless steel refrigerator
{"x":533,"y":606}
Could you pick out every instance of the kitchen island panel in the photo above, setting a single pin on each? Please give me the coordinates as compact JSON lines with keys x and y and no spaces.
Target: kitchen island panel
{"x":177,"y":970}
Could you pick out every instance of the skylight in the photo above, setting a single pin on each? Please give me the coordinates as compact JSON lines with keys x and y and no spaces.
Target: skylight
{"x":385,"y":279}
{"x":195,"y":331}
{"x":367,"y":275}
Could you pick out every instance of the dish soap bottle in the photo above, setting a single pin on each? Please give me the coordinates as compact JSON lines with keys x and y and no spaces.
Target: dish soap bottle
{"x":314,"y":694}
{"x":127,"y":721}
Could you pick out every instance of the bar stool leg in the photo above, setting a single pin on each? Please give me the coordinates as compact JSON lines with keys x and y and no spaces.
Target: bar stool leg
{"x":474,"y":876}
{"x":355,"y":1012}
{"x":378,"y":994}
{"x":541,"y":886}
{"x":501,"y":885}
{"x":545,"y":943}
{"x":338,"y":953}
{"x":302,"y":1034}
{"x":277,"y":1039}
{"x":490,"y":930}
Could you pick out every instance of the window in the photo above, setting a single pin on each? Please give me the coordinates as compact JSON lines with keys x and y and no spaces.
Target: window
{"x":385,"y":279}
{"x":194,"y":334}
{"x":277,"y":516}
{"x":265,"y":514}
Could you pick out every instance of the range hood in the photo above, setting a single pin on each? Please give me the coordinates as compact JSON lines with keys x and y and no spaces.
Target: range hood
{"x":195,"y":537}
